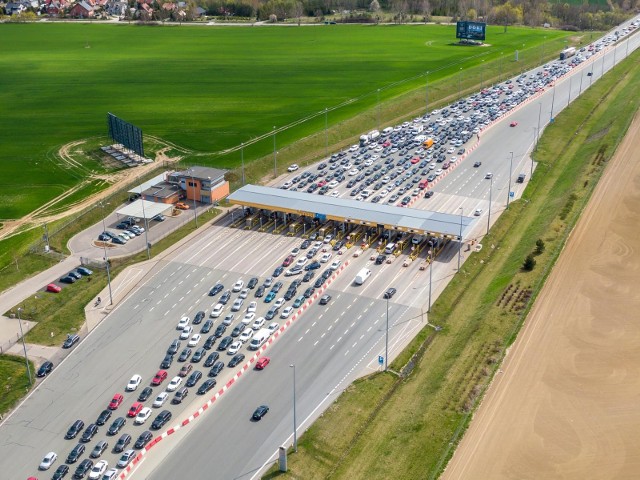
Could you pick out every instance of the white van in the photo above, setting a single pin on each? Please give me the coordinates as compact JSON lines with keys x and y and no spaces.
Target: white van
{"x":390,"y":248}
{"x":259,"y":338}
{"x":362,"y":276}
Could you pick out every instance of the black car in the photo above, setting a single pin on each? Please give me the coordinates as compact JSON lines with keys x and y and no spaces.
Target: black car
{"x":252,"y":283}
{"x":210,"y":342}
{"x":290,"y":294}
{"x":318,"y":283}
{"x":71,"y":340}
{"x":180,"y":395}
{"x":76,"y":453}
{"x":75,"y":428}
{"x":305,"y":245}
{"x":160,"y":421}
{"x":184,"y":355}
{"x":45,"y":369}
{"x":207,"y":326}
{"x":237,"y":330}
{"x":117,"y":424}
{"x":67,"y":279}
{"x":99,"y":449}
{"x":144,"y":438}
{"x":225,"y":297}
{"x":104,"y":417}
{"x":206,"y":386}
{"x":308,"y":276}
{"x":216,"y":369}
{"x":278,"y":271}
{"x":198,"y":318}
{"x":198,"y":354}
{"x":194,"y":377}
{"x":217,"y":288}
{"x":75,"y":275}
{"x":477,"y":164}
{"x":390,"y":292}
{"x":276,"y":287}
{"x":260,"y":412}
{"x":85,"y":466}
{"x":380,"y":259}
{"x":175,"y":346}
{"x":325,"y":299}
{"x":211,"y":359}
{"x":123,"y":442}
{"x":428,"y":194}
{"x":235,"y":360}
{"x":145,"y":394}
{"x":220,"y":330}
{"x":60,"y":472}
{"x":89,"y":433}
{"x":166,"y":363}
{"x":259,"y":291}
{"x":309,"y":291}
{"x":327,"y":273}
{"x":224,"y":343}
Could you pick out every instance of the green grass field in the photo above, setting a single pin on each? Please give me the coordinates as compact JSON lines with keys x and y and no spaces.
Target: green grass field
{"x":204,"y":89}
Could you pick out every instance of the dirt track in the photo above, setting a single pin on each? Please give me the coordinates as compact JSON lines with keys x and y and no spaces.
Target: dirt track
{"x":567,"y":404}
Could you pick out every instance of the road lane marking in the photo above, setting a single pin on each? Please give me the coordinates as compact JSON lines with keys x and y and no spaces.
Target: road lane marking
{"x":316,"y":343}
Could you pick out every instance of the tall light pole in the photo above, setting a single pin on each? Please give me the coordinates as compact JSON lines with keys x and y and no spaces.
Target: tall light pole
{"x":490,"y":195}
{"x":501,"y":59}
{"x":538,"y":131}
{"x":378,"y":109}
{"x":570,"y":84}
{"x":275,"y":160}
{"x":553,"y":98}
{"x":460,"y":239}
{"x":193,"y":185}
{"x":242,"y":161}
{"x":602,"y":68}
{"x":580,"y":89}
{"x":24,"y":346}
{"x":482,"y":76}
{"x":295,"y":424}
{"x":146,"y":225}
{"x":46,"y":237}
{"x":386,"y":341}
{"x":459,"y":79}
{"x":426,"y":94}
{"x":106,"y":257}
{"x":431,"y":252}
{"x":326,"y":133}
{"x":510,"y":169}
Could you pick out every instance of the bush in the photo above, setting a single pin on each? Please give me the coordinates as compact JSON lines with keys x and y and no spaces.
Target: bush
{"x":539,"y":246}
{"x":529,"y":263}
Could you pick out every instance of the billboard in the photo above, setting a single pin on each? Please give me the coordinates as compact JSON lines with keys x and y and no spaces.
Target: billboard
{"x":471,"y":30}
{"x":125,"y":133}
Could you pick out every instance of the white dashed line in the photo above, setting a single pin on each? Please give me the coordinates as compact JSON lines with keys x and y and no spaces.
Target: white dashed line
{"x":159,"y":302}
{"x":181,"y":298}
{"x":300,"y":339}
{"x":316,"y":343}
{"x":151,"y":309}
{"x":322,"y":336}
{"x":314,"y":324}
{"x":354,"y":344}
{"x":307,"y":331}
{"x":338,"y":339}
{"x":136,"y":306}
{"x":361,"y":336}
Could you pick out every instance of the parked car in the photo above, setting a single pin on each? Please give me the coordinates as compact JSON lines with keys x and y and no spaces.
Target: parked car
{"x":45,"y":369}
{"x":71,"y":340}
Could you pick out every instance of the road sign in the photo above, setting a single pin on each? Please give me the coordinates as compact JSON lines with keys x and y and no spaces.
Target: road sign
{"x":512,"y":194}
{"x":380,"y":359}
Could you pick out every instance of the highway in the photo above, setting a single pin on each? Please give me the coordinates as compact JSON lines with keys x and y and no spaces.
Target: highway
{"x":330,"y":345}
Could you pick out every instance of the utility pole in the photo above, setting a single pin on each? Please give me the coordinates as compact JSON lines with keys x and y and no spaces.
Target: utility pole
{"x":242,"y":160}
{"x":510,"y":173}
{"x":490,"y":194}
{"x":426,"y":95}
{"x":460,"y":239}
{"x":24,"y":346}
{"x":538,"y":130}
{"x":326,"y":133}
{"x":275,"y":160}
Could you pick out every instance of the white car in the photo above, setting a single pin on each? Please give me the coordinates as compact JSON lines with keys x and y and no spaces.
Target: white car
{"x":110,"y":474}
{"x":478,"y":212}
{"x":144,"y":414}
{"x":217,"y":310}
{"x":228,"y":320}
{"x":247,"y":334}
{"x":286,"y":312}
{"x":278,"y":303}
{"x":184,"y":321}
{"x":335,"y":265}
{"x":234,"y":347}
{"x":125,"y":458}
{"x":488,"y":175}
{"x":98,"y":470}
{"x":353,"y":172}
{"x":186,"y":332}
{"x":194,"y":340}
{"x":439,"y":172}
{"x":244,"y":293}
{"x":174,"y":384}
{"x":237,"y":305}
{"x":335,"y":194}
{"x":325,"y":257}
{"x":273,"y":327}
{"x":133,"y":383}
{"x":238,"y":285}
{"x":257,"y":325}
{"x":302,"y":261}
{"x":160,"y":399}
{"x":328,"y":238}
{"x":48,"y":460}
{"x":252,"y":307}
{"x":293,"y":167}
{"x":248,"y":318}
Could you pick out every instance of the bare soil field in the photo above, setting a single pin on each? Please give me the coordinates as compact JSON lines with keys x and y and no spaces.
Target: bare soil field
{"x":566,"y":403}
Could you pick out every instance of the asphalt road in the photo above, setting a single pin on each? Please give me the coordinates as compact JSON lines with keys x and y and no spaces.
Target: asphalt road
{"x":330,"y":346}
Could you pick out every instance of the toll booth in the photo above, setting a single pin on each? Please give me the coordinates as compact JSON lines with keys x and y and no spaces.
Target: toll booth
{"x":294,"y":228}
{"x":322,"y":232}
{"x":251,"y":222}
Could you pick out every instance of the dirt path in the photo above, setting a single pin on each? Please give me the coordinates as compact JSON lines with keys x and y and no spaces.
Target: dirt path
{"x":566,"y":402}
{"x":38,"y":216}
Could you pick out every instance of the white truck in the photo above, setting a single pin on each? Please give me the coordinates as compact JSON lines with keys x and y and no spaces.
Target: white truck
{"x":362,"y":276}
{"x":372,"y":136}
{"x":259,"y":338}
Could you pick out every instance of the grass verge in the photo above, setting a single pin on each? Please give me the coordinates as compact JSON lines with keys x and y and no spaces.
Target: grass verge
{"x":414,"y":432}
{"x":14,"y":382}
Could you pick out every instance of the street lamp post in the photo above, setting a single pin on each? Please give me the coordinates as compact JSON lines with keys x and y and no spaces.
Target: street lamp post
{"x":24,"y":346}
{"x":538,"y":130}
{"x":242,"y":161}
{"x":580,"y":89}
{"x":295,"y":424}
{"x":553,"y":98}
{"x":570,"y":84}
{"x":602,"y":67}
{"x":378,"y":109}
{"x":386,"y":341}
{"x":106,"y":257}
{"x":275,"y":160}
{"x":193,"y":185}
{"x":431,"y":252}
{"x":459,"y":80}
{"x":490,"y":195}
{"x":146,"y":226}
{"x":426,"y":94}
{"x":46,"y":237}
{"x":326,"y":133}
{"x":510,"y":172}
{"x":460,"y":239}
{"x":482,"y":76}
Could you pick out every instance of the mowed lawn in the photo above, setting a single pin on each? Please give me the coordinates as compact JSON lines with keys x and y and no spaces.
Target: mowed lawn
{"x":204,"y":89}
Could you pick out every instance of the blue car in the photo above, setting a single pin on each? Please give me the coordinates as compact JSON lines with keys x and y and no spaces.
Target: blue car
{"x":270,"y":296}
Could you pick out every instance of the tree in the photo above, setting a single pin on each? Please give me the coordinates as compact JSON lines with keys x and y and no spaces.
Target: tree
{"x":539,"y":246}
{"x":374,"y":6}
{"x":425,"y":9}
{"x":529,"y":263}
{"x":298,"y":10}
{"x":507,"y":14}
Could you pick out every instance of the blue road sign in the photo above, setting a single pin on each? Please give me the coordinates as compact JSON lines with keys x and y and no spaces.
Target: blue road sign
{"x":380,"y":359}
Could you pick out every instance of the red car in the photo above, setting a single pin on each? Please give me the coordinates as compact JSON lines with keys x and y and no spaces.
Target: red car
{"x":135,"y":409}
{"x":287,"y":261}
{"x":513,"y":124}
{"x":263,"y":362}
{"x":52,"y":287}
{"x":322,"y":183}
{"x":116,"y":401}
{"x":415,"y":160}
{"x":159,"y":378}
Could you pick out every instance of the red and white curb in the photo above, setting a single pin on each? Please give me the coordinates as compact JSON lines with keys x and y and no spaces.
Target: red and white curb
{"x":138,"y":458}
